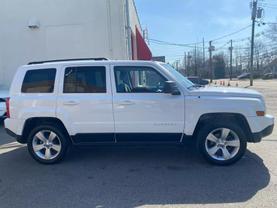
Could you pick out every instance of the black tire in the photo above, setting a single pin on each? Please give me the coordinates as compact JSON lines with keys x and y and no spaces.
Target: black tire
{"x":207,"y":128}
{"x":63,"y":142}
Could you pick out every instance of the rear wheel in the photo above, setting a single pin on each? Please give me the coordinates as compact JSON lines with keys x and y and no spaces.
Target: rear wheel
{"x":222,"y":144}
{"x":47,"y":144}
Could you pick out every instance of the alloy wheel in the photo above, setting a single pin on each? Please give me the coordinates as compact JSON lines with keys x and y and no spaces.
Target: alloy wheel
{"x":222,"y":144}
{"x":46,"y":144}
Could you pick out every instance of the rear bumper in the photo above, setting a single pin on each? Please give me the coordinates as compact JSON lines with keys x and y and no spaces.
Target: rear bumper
{"x":14,"y":125}
{"x":11,"y":133}
{"x":14,"y":135}
{"x":257,"y":137}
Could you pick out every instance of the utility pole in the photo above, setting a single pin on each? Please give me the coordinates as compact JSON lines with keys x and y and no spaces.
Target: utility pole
{"x":258,"y":60}
{"x":203,"y":51}
{"x":254,"y":15}
{"x":236,"y":65}
{"x":145,"y":35}
{"x":231,"y":60}
{"x":185,"y":60}
{"x":177,"y":65}
{"x":203,"y":65}
{"x":240,"y":63}
{"x":189,"y":63}
{"x":211,"y":49}
{"x":195,"y":62}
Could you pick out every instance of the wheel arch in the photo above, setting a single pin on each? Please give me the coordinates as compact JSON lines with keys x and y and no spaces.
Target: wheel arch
{"x":224,"y":118}
{"x":37,"y":121}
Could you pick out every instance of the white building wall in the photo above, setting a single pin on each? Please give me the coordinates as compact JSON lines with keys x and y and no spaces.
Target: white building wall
{"x":67,"y":29}
{"x":134,"y":19}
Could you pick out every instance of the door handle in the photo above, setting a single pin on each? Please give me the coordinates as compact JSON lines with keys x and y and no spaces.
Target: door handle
{"x":71,"y":102}
{"x":126,"y":102}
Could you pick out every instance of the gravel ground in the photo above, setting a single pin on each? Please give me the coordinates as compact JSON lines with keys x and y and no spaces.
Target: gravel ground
{"x":141,"y":177}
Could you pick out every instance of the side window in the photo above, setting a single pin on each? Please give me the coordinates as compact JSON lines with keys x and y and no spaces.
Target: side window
{"x":39,"y":81}
{"x":86,"y":79}
{"x":138,"y":80}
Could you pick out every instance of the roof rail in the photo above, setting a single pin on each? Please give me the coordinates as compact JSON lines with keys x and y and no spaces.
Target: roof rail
{"x":61,"y":60}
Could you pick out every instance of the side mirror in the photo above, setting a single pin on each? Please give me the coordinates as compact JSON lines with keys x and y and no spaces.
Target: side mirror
{"x":171,"y":88}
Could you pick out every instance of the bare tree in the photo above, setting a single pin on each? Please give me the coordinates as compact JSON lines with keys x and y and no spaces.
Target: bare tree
{"x":271,"y":33}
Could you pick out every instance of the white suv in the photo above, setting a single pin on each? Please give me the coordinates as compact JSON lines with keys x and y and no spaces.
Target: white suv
{"x":55,"y":104}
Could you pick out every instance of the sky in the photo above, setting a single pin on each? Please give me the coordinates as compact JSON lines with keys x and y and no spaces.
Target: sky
{"x":189,"y":21}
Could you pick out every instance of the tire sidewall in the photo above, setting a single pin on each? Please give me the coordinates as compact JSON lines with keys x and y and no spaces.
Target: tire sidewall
{"x":208,"y":128}
{"x":63,"y":140}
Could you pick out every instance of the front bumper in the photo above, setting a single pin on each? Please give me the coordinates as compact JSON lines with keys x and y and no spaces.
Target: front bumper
{"x":260,"y":126}
{"x":257,"y":137}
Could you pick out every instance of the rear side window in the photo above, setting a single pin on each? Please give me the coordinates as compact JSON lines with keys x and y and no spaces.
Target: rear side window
{"x":87,"y":79}
{"x":39,"y":81}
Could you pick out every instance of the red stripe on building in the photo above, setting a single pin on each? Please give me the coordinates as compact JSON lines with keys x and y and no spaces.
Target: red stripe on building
{"x":143,"y":51}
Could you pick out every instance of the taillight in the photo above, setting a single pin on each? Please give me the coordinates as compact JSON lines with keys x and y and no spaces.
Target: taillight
{"x":8,"y":107}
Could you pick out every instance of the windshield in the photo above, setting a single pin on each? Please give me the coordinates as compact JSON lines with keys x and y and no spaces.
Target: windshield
{"x":178,"y":76}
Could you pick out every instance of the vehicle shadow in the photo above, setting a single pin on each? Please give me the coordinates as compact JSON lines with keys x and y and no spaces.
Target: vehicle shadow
{"x":128,"y":177}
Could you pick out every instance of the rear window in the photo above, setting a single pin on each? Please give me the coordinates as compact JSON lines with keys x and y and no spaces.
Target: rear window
{"x":87,"y":79}
{"x":39,"y":81}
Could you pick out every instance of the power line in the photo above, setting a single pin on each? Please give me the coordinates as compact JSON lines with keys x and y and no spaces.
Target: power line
{"x":262,"y":52}
{"x":192,"y":45}
{"x":223,"y":46}
{"x":233,"y":33}
{"x":272,"y":48}
{"x":161,"y":42}
{"x":268,"y":6}
{"x":270,"y":23}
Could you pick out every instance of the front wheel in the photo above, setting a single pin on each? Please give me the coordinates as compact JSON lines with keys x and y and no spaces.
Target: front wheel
{"x":222,"y":144}
{"x":47,"y":144}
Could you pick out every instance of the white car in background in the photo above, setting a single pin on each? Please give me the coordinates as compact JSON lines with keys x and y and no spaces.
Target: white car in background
{"x":2,"y":108}
{"x":3,"y":96}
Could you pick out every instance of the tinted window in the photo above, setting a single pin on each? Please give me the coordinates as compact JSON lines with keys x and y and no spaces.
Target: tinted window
{"x":39,"y":81}
{"x":138,"y":80}
{"x":91,"y":79}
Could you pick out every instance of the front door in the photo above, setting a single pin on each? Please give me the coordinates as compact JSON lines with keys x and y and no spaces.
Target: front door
{"x":142,"y":111}
{"x":85,"y":103}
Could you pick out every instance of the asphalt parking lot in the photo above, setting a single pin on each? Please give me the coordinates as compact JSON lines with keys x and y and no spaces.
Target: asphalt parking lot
{"x":141,"y":176}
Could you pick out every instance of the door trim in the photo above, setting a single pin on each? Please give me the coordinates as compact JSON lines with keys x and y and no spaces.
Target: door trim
{"x":148,"y":137}
{"x":131,"y":138}
{"x":91,"y":138}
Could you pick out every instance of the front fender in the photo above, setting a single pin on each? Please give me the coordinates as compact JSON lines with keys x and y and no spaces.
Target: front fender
{"x":197,"y":106}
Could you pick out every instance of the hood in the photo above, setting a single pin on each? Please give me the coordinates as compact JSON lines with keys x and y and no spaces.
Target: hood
{"x":225,"y":92}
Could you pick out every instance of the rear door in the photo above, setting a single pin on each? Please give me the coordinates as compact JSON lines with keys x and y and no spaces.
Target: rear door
{"x":85,"y":103}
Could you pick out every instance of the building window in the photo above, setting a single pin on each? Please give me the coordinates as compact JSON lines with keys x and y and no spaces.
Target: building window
{"x":87,"y":79}
{"x":39,"y":81}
